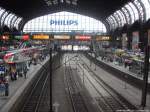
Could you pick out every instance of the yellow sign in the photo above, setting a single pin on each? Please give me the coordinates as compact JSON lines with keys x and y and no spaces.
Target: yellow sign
{"x":102,"y":38}
{"x":40,"y":37}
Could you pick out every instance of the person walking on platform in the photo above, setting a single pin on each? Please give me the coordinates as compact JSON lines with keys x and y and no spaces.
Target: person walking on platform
{"x":25,"y":72}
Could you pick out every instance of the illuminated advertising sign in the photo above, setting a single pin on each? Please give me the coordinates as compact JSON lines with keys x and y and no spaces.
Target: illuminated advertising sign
{"x":135,"y":40}
{"x":102,"y":38}
{"x":83,"y":37}
{"x":4,"y":37}
{"x":22,"y":37}
{"x":25,"y":37}
{"x":124,"y":41}
{"x":61,"y":37}
{"x":64,"y":22}
{"x":18,"y":37}
{"x":40,"y":37}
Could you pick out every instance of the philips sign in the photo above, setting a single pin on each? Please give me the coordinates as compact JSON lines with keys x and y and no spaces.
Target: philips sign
{"x":64,"y":22}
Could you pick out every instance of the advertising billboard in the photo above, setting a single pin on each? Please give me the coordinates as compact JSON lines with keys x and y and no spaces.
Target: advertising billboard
{"x":40,"y":37}
{"x":83,"y":37}
{"x":102,"y":38}
{"x":4,"y":37}
{"x":22,"y":37}
{"x":124,"y":40}
{"x":64,"y":22}
{"x":135,"y":40}
{"x":61,"y":37}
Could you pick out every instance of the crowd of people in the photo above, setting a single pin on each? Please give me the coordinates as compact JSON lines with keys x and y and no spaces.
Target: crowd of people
{"x":134,"y":62}
{"x":14,"y":71}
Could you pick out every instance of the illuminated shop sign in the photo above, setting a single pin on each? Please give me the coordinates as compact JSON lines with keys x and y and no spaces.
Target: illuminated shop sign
{"x":64,"y":22}
{"x":61,"y":37}
{"x":40,"y":37}
{"x":22,"y":37}
{"x":102,"y":38}
{"x":83,"y":37}
{"x":4,"y":37}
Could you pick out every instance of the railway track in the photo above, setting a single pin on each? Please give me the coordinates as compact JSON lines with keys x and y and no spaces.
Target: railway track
{"x":37,"y":100}
{"x":108,"y":100}
{"x":77,"y":100}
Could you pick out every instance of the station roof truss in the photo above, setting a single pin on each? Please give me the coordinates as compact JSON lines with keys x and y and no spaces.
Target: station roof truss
{"x":30,"y":9}
{"x":113,"y":13}
{"x":135,"y":10}
{"x":9,"y":19}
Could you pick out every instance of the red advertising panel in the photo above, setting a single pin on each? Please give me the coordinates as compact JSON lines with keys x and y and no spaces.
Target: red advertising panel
{"x":25,"y":37}
{"x":83,"y":37}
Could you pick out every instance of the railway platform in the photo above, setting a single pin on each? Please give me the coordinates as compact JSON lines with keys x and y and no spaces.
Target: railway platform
{"x":121,"y":68}
{"x":16,"y":88}
{"x":128,"y":91}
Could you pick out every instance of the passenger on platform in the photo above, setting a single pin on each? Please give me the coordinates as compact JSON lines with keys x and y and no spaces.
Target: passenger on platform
{"x":13,"y":73}
{"x":25,"y":72}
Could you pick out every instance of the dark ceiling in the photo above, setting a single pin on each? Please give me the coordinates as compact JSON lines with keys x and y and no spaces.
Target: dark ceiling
{"x":28,"y":9}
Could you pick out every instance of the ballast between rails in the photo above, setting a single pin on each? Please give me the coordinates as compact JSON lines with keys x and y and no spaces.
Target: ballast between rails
{"x":74,"y":93}
{"x":112,"y":93}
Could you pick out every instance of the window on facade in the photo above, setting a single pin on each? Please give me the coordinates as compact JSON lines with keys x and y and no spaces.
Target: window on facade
{"x":64,"y":22}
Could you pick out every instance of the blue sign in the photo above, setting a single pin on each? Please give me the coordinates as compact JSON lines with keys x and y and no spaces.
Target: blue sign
{"x":2,"y":69}
{"x":64,"y":22}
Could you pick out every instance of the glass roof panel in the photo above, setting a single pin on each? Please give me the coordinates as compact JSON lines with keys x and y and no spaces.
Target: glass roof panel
{"x":131,"y":13}
{"x":64,"y":22}
{"x":135,"y":11}
{"x":147,"y":8}
{"x":140,"y":8}
{"x":126,"y":14}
